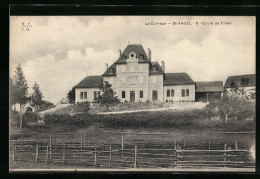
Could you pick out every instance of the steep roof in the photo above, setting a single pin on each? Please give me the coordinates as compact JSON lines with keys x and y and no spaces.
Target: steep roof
{"x":158,"y":71}
{"x":209,"y":86}
{"x":137,"y":49}
{"x":90,"y":82}
{"x":111,"y":71}
{"x":241,"y":80}
{"x":177,"y":79}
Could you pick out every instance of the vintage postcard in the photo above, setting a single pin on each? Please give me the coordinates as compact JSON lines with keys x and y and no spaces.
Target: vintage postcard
{"x":132,"y":93}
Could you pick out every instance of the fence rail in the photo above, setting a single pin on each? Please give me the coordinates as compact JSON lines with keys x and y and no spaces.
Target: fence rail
{"x":103,"y":157}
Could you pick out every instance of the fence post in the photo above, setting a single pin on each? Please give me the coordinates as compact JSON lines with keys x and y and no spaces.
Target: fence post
{"x":84,"y":144}
{"x":95,"y":156}
{"x":175,"y":147}
{"x":135,"y":156}
{"x":209,"y":145}
{"x":22,"y":145}
{"x":50,"y":147}
{"x":63,"y":154}
{"x":37,"y":153}
{"x":14,"y":147}
{"x":184,"y":142}
{"x":122,"y":147}
{"x":81,"y":143}
{"x":225,"y":148}
{"x":236,"y":144}
{"x":163,"y":141}
{"x":110,"y":156}
{"x":47,"y":153}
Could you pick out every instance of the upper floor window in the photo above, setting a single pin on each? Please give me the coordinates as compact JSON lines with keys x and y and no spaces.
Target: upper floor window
{"x":123,"y":94}
{"x":168,"y":93}
{"x":154,"y":68}
{"x":123,"y":79}
{"x":111,"y":70}
{"x":141,"y":56}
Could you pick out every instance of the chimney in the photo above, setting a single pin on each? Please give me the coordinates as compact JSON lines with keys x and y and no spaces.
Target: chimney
{"x":163,"y":66}
{"x":106,"y":65}
{"x":149,"y":54}
{"x":119,"y":53}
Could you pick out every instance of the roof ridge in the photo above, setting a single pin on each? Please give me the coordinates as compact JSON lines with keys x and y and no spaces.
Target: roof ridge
{"x":241,"y":75}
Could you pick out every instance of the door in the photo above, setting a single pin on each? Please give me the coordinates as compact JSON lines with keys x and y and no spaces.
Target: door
{"x":132,"y":96}
{"x":155,"y":94}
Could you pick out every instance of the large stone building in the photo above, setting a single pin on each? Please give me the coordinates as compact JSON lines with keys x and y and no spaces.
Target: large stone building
{"x":136,"y":78}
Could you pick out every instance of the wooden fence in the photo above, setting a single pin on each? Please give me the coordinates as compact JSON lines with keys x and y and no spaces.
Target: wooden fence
{"x":156,"y":151}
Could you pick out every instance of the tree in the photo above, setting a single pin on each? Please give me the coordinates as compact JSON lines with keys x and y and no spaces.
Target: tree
{"x":231,"y":103}
{"x":71,"y":95}
{"x":36,"y":97}
{"x":107,"y":98}
{"x":22,"y":90}
{"x":13,"y":93}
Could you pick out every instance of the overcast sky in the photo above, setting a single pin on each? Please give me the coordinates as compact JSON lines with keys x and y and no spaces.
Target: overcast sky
{"x":59,"y":51}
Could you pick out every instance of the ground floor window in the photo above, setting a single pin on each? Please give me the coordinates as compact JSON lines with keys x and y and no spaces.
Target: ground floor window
{"x":172,"y":92}
{"x":95,"y":94}
{"x":81,"y":95}
{"x":168,"y":93}
{"x":183,"y":92}
{"x":123,"y":94}
{"x":187,"y":92}
{"x":85,"y":95}
{"x":155,"y":95}
{"x":141,"y":94}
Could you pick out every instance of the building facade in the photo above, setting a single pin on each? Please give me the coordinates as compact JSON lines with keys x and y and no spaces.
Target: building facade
{"x":245,"y":83}
{"x":135,"y":78}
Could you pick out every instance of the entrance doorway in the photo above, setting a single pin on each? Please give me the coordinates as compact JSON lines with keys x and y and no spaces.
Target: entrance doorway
{"x":132,"y":96}
{"x":155,"y":95}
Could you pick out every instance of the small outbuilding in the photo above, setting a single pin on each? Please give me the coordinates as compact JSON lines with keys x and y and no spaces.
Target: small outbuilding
{"x":208,"y":91}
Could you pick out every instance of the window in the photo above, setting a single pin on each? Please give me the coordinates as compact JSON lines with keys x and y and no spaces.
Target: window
{"x":172,"y":92}
{"x":168,"y":93}
{"x":187,"y":92}
{"x":111,"y":70}
{"x":141,"y":94}
{"x":95,"y":94}
{"x":81,"y":95}
{"x":99,"y":93}
{"x":183,"y":92}
{"x":123,"y":79}
{"x":154,"y":68}
{"x":85,"y":95}
{"x":123,"y":94}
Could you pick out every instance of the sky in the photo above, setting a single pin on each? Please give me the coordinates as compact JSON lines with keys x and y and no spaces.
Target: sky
{"x":57,"y":52}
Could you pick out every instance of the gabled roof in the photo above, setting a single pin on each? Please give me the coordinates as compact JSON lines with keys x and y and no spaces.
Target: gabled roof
{"x":209,"y":86}
{"x":90,"y":82}
{"x":158,"y":71}
{"x":108,"y":72}
{"x":137,"y":49}
{"x":241,"y":80}
{"x":177,"y":79}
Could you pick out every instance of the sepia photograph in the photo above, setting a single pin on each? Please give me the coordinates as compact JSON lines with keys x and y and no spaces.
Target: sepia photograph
{"x":132,"y":93}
